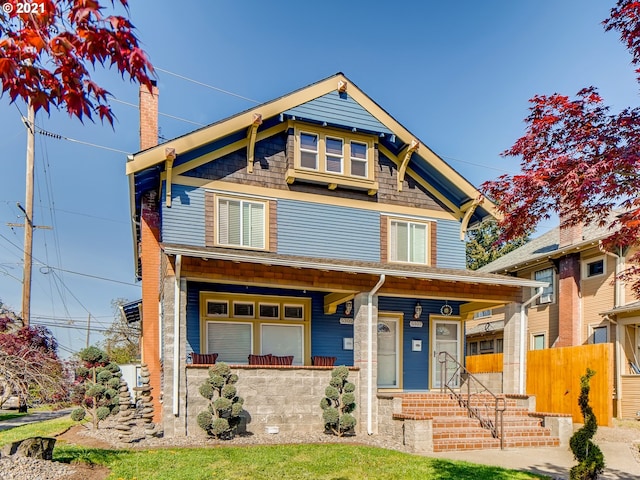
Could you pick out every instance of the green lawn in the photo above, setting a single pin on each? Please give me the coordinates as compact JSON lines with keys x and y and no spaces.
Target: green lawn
{"x":281,"y":462}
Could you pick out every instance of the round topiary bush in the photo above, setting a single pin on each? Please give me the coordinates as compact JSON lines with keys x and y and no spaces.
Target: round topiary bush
{"x":338,"y":403}
{"x":224,"y":406}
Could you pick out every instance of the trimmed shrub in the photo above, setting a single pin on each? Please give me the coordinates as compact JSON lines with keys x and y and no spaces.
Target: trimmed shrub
{"x":338,"y":403}
{"x":224,"y":406}
{"x":588,"y":454}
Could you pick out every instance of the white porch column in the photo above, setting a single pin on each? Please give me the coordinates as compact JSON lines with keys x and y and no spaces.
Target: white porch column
{"x":360,"y":358}
{"x":515,"y":349}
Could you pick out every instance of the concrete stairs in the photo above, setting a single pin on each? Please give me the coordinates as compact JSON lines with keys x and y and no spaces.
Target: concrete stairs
{"x":453,"y":429}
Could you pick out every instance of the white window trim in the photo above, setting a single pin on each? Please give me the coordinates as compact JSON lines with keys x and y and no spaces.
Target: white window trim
{"x":533,"y":340}
{"x":241,"y":302}
{"x":209,"y":315}
{"x":296,"y":305}
{"x":270,"y":304}
{"x":585,"y":267}
{"x":554,"y":287}
{"x":359,"y":160}
{"x":427,"y":252}
{"x":327,"y":155}
{"x":242,"y":200}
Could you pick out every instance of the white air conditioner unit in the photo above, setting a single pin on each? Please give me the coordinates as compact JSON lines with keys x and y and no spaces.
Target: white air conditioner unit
{"x":545,"y":298}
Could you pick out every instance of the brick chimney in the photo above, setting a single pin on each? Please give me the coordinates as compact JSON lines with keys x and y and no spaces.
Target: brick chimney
{"x":570,"y":230}
{"x":148,"y":117}
{"x":150,"y":254}
{"x":569,"y":311}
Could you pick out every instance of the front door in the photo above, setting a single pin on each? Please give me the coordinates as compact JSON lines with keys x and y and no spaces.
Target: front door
{"x":388,"y":352}
{"x":445,"y":335}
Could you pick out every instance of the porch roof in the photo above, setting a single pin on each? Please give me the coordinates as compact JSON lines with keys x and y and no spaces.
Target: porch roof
{"x":351,"y":266}
{"x":629,"y":308}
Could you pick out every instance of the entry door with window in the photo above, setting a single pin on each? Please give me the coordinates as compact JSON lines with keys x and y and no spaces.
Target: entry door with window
{"x":388,"y":352}
{"x":445,"y":336}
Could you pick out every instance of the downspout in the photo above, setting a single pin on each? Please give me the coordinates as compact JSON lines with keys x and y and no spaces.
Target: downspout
{"x":617,"y":287}
{"x":523,"y":339}
{"x":176,"y":336}
{"x":370,"y":351}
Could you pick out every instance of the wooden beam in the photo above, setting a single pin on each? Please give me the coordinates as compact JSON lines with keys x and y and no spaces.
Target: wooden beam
{"x":332,"y":300}
{"x":467,"y":216}
{"x":403,"y":158}
{"x":251,"y":140}
{"x":170,"y":156}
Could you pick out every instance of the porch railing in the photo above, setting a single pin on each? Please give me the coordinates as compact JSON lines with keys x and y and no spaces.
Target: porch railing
{"x":479,"y":401}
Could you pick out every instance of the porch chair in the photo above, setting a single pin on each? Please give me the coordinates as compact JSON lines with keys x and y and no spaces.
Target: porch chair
{"x":203,"y":358}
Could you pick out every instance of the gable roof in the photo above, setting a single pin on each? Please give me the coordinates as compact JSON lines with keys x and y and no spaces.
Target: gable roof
{"x":314,"y":103}
{"x":544,"y":247}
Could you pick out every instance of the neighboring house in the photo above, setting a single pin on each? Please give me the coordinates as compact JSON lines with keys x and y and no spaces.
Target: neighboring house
{"x":583,"y":303}
{"x":310,"y":230}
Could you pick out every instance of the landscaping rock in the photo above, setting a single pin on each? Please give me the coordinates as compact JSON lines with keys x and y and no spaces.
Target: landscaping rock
{"x":34,"y":447}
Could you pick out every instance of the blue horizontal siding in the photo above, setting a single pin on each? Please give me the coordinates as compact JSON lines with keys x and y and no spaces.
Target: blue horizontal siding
{"x":328,"y":231}
{"x":336,"y":109}
{"x":184,"y":222}
{"x":451,"y":251}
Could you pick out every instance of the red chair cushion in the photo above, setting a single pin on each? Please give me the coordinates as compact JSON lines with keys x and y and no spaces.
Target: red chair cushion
{"x":323,"y":361}
{"x":204,"y":358}
{"x":287,"y":360}
{"x":260,"y":359}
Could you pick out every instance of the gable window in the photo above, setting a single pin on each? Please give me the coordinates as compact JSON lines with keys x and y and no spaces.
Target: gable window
{"x":548,"y":292}
{"x":241,"y":223}
{"x":333,"y":157}
{"x":408,"y":242}
{"x":593,"y":267}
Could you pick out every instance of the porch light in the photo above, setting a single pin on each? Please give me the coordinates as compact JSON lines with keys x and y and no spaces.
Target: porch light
{"x":348,"y":307}
{"x":417,"y":311}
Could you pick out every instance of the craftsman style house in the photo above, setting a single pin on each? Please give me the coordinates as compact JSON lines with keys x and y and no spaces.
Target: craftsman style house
{"x":583,"y":304}
{"x":312,"y":230}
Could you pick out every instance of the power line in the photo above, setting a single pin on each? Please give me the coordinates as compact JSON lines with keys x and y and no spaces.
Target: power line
{"x":57,"y":136}
{"x":207,"y":85}
{"x":160,"y":113}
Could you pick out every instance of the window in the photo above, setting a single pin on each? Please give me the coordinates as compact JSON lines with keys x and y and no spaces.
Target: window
{"x":241,"y":223}
{"x":359,"y":162}
{"x":599,"y":334}
{"x":499,"y":345}
{"x":538,"y":341}
{"x":472,"y":348}
{"x":482,"y":314}
{"x":333,"y":157}
{"x":408,"y":242}
{"x":593,"y":267}
{"x":237,"y":325}
{"x":486,"y":346}
{"x":545,"y":275}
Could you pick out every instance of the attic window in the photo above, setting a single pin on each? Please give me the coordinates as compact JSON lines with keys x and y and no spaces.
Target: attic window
{"x":333,"y":157}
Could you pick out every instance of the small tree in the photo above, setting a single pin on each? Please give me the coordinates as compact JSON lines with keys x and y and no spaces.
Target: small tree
{"x":587,"y":453}
{"x":97,"y":390}
{"x":222,"y":416}
{"x":338,"y":403}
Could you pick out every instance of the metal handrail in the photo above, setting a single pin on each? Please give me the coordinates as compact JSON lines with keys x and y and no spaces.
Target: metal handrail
{"x":495,"y":425}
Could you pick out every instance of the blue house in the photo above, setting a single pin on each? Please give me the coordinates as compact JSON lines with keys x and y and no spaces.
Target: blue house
{"x":312,"y":230}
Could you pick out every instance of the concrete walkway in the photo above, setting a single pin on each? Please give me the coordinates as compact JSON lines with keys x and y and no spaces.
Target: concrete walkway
{"x":31,"y":418}
{"x":554,"y":462}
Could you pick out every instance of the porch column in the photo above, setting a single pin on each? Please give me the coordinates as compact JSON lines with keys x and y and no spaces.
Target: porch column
{"x":360,"y":354}
{"x":174,"y":426}
{"x":515,"y":345}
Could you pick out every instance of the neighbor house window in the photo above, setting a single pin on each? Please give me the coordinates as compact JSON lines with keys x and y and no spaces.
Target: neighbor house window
{"x":538,"y":341}
{"x":546,"y":275}
{"x":472,"y":348}
{"x":593,"y":267}
{"x":241,"y":223}
{"x":256,"y":324}
{"x":599,"y":334}
{"x":408,"y":242}
{"x":482,"y":314}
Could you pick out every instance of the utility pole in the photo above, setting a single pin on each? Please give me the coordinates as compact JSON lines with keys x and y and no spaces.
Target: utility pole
{"x":28,"y":221}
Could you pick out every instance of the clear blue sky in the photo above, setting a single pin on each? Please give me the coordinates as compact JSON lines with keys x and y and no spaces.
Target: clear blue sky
{"x":456,"y":74}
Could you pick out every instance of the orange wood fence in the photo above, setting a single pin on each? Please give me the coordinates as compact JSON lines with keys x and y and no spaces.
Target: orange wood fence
{"x":553,"y":376}
{"x":489,"y":363}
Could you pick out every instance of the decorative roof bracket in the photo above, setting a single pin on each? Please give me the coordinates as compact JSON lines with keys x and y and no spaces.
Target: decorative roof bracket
{"x":404,"y":156}
{"x":467,"y":215}
{"x":170,"y":156}
{"x":251,"y":140}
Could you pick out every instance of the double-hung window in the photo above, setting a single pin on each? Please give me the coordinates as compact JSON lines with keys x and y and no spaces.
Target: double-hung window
{"x":408,"y":242}
{"x":241,"y":223}
{"x":548,"y":292}
{"x":359,"y":160}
